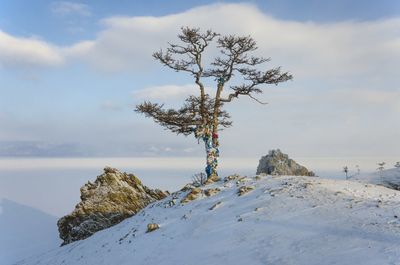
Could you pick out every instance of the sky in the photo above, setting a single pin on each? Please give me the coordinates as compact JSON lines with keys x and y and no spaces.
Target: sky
{"x":71,"y":73}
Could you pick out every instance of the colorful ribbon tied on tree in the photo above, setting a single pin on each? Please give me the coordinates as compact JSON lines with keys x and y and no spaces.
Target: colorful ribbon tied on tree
{"x":210,"y":140}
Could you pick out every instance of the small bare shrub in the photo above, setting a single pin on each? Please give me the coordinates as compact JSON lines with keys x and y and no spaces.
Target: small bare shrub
{"x":199,"y":179}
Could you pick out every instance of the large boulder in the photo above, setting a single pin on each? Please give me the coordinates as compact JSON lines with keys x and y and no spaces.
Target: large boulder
{"x":113,"y":197}
{"x":278,"y":163}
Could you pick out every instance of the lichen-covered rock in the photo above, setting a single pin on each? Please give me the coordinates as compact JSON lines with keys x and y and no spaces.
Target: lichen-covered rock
{"x":212,"y":179}
{"x":152,"y":227}
{"x":231,"y":177}
{"x":241,"y":180}
{"x":192,"y":195}
{"x":244,"y":189}
{"x":278,"y":163}
{"x":211,"y":192}
{"x":113,"y":197}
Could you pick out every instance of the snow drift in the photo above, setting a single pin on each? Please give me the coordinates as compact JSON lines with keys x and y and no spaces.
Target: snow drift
{"x":24,"y":231}
{"x":389,"y":178}
{"x":260,"y":220}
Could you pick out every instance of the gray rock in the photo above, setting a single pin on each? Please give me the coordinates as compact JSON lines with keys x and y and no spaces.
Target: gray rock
{"x":278,"y":163}
{"x":113,"y":197}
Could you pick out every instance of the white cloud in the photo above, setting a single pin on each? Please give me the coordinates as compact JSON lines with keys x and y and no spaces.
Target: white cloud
{"x":78,"y":50}
{"x":65,"y":8}
{"x":17,"y":52}
{"x":304,"y":48}
{"x":345,"y":87}
{"x":167,"y":92}
{"x":307,"y":49}
{"x":171,"y":93}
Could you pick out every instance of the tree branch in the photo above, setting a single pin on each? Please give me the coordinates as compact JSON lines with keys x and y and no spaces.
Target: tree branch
{"x":185,"y":119}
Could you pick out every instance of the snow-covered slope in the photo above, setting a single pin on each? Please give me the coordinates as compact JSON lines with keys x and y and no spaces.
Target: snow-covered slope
{"x":283,"y":220}
{"x":25,"y":231}
{"x":389,"y":178}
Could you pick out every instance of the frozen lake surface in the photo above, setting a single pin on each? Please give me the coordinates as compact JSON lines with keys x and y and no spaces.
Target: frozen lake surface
{"x":52,"y":184}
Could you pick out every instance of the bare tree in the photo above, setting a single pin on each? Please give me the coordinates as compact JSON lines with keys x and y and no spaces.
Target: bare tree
{"x":358,"y":170}
{"x":199,"y":179}
{"x":203,"y":114}
{"x":346,"y":171}
{"x":381,"y":168}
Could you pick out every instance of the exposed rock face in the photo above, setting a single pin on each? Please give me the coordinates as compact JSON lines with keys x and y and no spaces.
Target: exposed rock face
{"x":113,"y":197}
{"x":278,"y":163}
{"x":211,"y":192}
{"x":192,"y":195}
{"x":244,"y":189}
{"x":212,"y":179}
{"x":231,"y":177}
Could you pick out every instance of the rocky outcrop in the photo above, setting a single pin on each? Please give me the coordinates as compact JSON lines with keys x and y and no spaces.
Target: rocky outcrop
{"x":194,"y":194}
{"x":244,"y":189}
{"x":211,"y":192}
{"x":278,"y":163}
{"x":113,"y":197}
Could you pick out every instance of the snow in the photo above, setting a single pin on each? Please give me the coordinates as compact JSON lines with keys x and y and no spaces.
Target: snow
{"x":389,"y":178}
{"x":284,"y":220}
{"x":25,"y":231}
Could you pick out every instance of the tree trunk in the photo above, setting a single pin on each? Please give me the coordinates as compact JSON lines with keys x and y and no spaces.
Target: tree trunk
{"x":212,"y":152}
{"x":217,"y":105}
{"x":211,"y":139}
{"x":209,"y":134}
